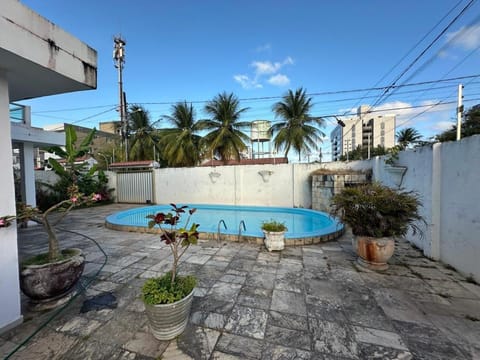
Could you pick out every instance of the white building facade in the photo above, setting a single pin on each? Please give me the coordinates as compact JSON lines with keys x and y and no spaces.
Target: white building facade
{"x":367,"y":129}
{"x":37,"y":58}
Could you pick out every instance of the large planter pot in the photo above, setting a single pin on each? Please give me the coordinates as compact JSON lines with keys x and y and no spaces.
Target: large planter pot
{"x":167,"y":321}
{"x":51,"y":285}
{"x":373,"y":252}
{"x":274,"y":240}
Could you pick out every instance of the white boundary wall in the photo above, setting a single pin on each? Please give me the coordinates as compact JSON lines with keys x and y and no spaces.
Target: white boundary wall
{"x":263,"y":185}
{"x":447,"y":177}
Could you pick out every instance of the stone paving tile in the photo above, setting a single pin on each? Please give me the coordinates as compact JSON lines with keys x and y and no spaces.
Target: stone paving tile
{"x":288,"y":302}
{"x":278,"y":352}
{"x":288,"y":321}
{"x":310,"y":302}
{"x":239,"y":346}
{"x":260,"y":280}
{"x":247,"y":321}
{"x":255,"y":297}
{"x":371,"y":351}
{"x":287,"y":337}
{"x":379,"y":337}
{"x":198,"y":342}
{"x":332,"y":338}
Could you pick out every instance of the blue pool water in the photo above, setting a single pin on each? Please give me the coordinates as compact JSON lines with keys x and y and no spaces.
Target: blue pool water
{"x":300,"y":222}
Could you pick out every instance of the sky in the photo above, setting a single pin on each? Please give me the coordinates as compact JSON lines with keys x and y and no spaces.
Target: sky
{"x":336,"y":50}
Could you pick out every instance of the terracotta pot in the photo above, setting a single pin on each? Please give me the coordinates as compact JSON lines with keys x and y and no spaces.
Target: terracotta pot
{"x":373,"y":252}
{"x":49,"y":285}
{"x":274,"y":240}
{"x":167,"y":321}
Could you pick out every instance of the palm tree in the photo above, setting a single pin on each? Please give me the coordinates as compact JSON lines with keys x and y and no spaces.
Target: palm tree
{"x":143,"y":135}
{"x":225,"y":138}
{"x":297,"y":128}
{"x":181,"y":146}
{"x":408,"y":136}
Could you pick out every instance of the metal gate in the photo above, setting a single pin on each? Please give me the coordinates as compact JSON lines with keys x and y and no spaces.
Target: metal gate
{"x":135,"y":187}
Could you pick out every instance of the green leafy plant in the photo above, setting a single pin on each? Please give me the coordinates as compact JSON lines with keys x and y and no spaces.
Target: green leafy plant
{"x":160,"y":290}
{"x":273,"y":226}
{"x":378,"y":211}
{"x":178,"y":235}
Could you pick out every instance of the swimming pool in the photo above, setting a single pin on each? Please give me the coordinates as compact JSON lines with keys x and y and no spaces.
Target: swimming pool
{"x":305,"y":226}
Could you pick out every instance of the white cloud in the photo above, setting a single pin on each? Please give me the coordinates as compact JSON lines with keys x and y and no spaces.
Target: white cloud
{"x":268,"y":67}
{"x":467,"y":37}
{"x":442,"y":125}
{"x":263,"y":48}
{"x":246,"y":82}
{"x":265,"y":71}
{"x":279,"y":80}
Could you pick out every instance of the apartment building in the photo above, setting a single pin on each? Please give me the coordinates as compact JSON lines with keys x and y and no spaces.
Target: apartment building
{"x":365,"y":129}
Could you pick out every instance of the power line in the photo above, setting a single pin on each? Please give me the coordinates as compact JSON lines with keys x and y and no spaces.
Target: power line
{"x":384,"y":95}
{"x":410,"y":51}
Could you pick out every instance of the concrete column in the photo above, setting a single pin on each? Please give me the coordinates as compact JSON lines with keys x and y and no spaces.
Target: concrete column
{"x":10,"y":314}
{"x":434,"y":250}
{"x":28,"y":174}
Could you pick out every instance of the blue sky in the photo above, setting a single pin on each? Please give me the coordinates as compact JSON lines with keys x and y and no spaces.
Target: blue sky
{"x":193,"y":50}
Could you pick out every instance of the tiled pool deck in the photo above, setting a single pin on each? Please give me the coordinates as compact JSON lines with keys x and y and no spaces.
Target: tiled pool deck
{"x":309,"y":302}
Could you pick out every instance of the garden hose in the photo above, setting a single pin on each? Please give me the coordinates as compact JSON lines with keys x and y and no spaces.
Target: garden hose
{"x":82,"y":289}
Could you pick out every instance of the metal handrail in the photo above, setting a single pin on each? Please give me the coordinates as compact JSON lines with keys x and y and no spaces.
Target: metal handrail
{"x":240,"y":229}
{"x":218,"y":229}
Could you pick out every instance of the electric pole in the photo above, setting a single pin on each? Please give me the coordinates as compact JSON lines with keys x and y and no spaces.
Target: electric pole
{"x":368,"y":146}
{"x":459,"y":111}
{"x":119,"y":59}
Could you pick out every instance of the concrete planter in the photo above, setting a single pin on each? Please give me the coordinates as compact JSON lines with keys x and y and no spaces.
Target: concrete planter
{"x":373,"y":252}
{"x":167,"y":321}
{"x":50,"y":285}
{"x":274,"y":240}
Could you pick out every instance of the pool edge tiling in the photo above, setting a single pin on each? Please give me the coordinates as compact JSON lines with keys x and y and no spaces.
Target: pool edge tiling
{"x":331,"y":231}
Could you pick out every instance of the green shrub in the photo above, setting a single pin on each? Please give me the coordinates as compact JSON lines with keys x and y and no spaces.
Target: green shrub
{"x":378,"y":211}
{"x":160,"y":290}
{"x":274,"y":226}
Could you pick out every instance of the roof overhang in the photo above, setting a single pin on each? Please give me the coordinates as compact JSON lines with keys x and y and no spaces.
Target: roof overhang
{"x":37,"y":136}
{"x":39,"y":58}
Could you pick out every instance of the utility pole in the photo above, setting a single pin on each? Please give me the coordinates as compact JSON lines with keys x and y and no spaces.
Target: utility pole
{"x":119,"y":59}
{"x":459,"y":111}
{"x":348,"y":146}
{"x":368,"y":146}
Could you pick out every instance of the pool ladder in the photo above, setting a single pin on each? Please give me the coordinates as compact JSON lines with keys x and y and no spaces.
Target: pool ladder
{"x":240,"y":229}
{"x":218,"y":228}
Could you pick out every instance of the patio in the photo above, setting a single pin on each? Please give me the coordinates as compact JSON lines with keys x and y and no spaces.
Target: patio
{"x":309,"y":302}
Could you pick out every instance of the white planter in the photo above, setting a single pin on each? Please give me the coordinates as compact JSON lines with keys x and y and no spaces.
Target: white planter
{"x":274,"y":240}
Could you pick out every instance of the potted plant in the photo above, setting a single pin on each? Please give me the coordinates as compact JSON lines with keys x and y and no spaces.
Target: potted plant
{"x":274,"y":234}
{"x":48,"y":278}
{"x":168,"y":298}
{"x":377,"y":214}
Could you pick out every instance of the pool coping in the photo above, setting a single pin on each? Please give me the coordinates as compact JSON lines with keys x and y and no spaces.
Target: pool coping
{"x":308,"y":240}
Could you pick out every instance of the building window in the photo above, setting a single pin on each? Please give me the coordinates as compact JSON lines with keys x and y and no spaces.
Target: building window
{"x":382,"y":141}
{"x":382,"y":132}
{"x":382,"y":125}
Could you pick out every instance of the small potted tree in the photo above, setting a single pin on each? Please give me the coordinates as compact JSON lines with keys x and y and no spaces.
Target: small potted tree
{"x":274,"y":234}
{"x":377,"y":214}
{"x":168,"y":298}
{"x":49,"y":278}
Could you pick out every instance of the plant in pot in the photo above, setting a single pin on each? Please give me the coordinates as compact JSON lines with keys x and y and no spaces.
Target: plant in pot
{"x":49,"y":278}
{"x":274,"y":234}
{"x":168,"y":298}
{"x":377,"y":215}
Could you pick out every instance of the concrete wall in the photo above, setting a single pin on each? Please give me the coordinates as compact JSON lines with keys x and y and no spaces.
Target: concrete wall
{"x":267,"y":185}
{"x":447,"y":177}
